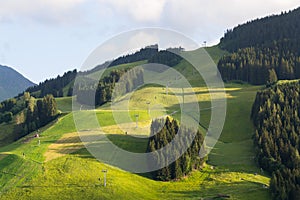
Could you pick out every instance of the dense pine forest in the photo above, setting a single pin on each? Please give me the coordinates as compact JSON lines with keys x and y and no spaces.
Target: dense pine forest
{"x":275,"y":114}
{"x":188,"y":161}
{"x":263,"y":50}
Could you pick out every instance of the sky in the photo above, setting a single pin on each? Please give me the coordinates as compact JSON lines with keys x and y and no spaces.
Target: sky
{"x":42,"y":39}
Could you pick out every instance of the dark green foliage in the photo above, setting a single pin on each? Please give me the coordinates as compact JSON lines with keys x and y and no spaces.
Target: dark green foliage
{"x":263,"y":50}
{"x":163,"y":134}
{"x":260,"y":65}
{"x":166,"y":57}
{"x":47,"y":109}
{"x":143,"y":54}
{"x":39,"y":113}
{"x":285,"y":184}
{"x":90,"y":93}
{"x":6,"y":117}
{"x":28,"y":113}
{"x":7,"y":105}
{"x":53,"y":86}
{"x":14,"y":105}
{"x":284,"y":29}
{"x":275,"y":114}
{"x":150,"y":53}
{"x":70,"y":92}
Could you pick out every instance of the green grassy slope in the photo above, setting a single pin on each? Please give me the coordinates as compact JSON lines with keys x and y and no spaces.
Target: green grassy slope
{"x":64,"y":104}
{"x":105,"y":72}
{"x":75,"y":174}
{"x":215,"y":53}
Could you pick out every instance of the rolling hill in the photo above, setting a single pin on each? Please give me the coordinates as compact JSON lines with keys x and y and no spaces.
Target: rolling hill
{"x":57,"y":165}
{"x":61,"y":168}
{"x":12,"y":83}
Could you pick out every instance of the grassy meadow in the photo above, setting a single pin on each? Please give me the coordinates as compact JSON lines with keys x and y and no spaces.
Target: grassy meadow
{"x":59,"y":167}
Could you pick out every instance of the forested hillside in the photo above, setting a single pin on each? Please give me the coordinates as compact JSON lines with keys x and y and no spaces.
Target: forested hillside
{"x":54,"y":86}
{"x":26,"y":114}
{"x":263,"y":50}
{"x":95,"y":93}
{"x":276,"y":116}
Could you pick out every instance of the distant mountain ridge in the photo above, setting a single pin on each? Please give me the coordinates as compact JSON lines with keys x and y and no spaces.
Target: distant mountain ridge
{"x":12,"y":83}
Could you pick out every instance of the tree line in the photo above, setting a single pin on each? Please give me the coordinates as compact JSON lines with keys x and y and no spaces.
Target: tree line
{"x":167,"y":57}
{"x":54,"y":86}
{"x":263,"y":50}
{"x":163,"y":132}
{"x":283,"y":29}
{"x":39,"y":113}
{"x":28,"y":113}
{"x":151,"y":53}
{"x":62,"y":85}
{"x":276,"y":116}
{"x":12,"y":106}
{"x":143,"y":54}
{"x":260,"y":65}
{"x":94,"y":93}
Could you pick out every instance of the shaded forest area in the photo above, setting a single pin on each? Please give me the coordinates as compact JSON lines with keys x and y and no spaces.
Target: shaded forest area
{"x":263,"y":50}
{"x":276,"y":116}
{"x":163,"y":132}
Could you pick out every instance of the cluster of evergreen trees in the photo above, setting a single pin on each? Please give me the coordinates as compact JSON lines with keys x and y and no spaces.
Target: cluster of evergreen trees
{"x":276,"y":116}
{"x":142,"y":54}
{"x":7,"y":108}
{"x":54,"y":86}
{"x":260,"y":65}
{"x":11,"y":107}
{"x":283,"y":29}
{"x":152,"y":55}
{"x":163,"y":132}
{"x":263,"y":50}
{"x":6,"y":117}
{"x":166,"y":57}
{"x":91,"y":93}
{"x":28,"y":113}
{"x":39,"y":113}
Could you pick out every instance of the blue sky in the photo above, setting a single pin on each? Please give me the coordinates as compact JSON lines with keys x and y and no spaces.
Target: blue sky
{"x":42,"y":39}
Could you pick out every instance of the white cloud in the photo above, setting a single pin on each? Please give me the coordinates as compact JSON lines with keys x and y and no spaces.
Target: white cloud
{"x":196,"y":18}
{"x":138,"y":10}
{"x":48,"y":10}
{"x":207,"y":19}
